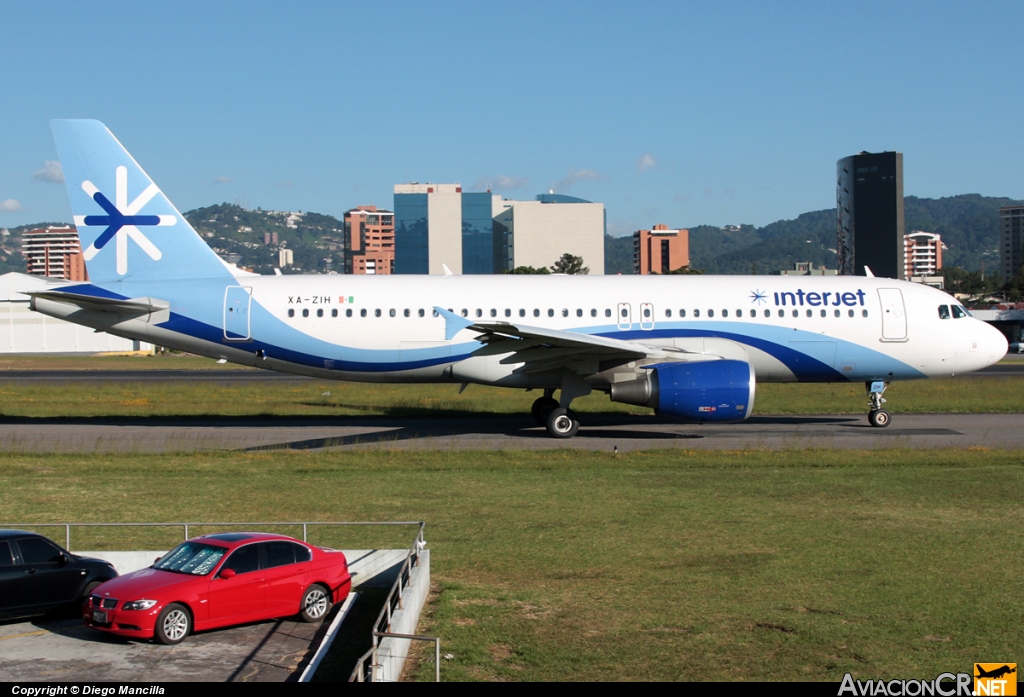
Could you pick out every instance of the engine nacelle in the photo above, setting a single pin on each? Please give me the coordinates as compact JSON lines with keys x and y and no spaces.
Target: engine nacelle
{"x":718,"y":391}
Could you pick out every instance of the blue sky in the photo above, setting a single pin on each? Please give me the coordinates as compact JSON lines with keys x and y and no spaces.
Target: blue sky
{"x":685,"y":113}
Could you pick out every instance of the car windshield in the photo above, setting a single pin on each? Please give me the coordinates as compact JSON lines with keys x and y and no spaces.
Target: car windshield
{"x":191,"y":558}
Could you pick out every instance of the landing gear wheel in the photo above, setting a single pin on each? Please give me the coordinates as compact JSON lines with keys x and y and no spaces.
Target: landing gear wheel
{"x":541,"y":408}
{"x":316,"y":603}
{"x":879,"y":418}
{"x":173,"y":624}
{"x":562,"y":423}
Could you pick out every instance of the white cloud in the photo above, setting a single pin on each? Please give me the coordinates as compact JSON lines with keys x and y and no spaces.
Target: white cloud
{"x":222,"y":180}
{"x":500,"y":183}
{"x":10,"y":205}
{"x":51,"y":172}
{"x":575,"y":176}
{"x":646,"y":162}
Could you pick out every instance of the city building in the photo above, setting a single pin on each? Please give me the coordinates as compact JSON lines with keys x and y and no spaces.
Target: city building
{"x":285,"y":257}
{"x":660,"y":250}
{"x":369,"y":241}
{"x":439,"y":225}
{"x":922,"y":253}
{"x":869,"y":202}
{"x":54,"y":252}
{"x":1011,"y":240}
{"x":537,"y":233}
{"x":807,"y":268}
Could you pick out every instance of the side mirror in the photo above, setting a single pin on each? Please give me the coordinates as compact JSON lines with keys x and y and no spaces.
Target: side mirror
{"x":228,"y":573}
{"x":63,"y":559}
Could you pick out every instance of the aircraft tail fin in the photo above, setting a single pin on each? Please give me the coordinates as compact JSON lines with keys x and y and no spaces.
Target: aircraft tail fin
{"x":127,"y":227}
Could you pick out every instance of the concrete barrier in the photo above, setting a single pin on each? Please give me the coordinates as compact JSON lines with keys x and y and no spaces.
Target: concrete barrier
{"x":392,"y":652}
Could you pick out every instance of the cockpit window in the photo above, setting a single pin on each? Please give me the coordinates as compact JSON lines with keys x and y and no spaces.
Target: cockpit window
{"x":943,"y":311}
{"x":958,"y":312}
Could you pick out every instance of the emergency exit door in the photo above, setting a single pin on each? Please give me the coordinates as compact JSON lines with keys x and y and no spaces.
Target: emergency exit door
{"x":237,"y":302}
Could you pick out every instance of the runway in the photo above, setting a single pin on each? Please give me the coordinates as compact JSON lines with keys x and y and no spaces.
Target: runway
{"x":600,"y":432}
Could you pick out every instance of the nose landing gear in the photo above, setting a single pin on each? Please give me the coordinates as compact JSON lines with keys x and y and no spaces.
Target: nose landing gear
{"x":878,"y":417}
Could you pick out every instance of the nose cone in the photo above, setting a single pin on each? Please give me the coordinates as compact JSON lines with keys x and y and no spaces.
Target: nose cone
{"x":992,"y":344}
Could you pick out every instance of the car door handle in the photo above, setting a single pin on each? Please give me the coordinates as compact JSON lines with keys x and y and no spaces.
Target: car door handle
{"x":30,"y":571}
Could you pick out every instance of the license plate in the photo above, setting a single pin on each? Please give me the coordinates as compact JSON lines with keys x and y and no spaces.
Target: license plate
{"x":99,"y":617}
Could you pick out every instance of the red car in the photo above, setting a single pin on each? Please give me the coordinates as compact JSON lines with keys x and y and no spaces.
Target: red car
{"x":220,"y":580}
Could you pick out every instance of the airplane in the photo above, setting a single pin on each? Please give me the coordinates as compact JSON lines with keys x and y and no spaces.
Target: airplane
{"x":690,"y":347}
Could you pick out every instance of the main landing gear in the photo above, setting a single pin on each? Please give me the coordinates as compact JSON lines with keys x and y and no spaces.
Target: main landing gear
{"x":878,"y":417}
{"x":555,"y":415}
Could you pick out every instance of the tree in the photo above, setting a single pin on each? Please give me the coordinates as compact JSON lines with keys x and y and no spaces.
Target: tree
{"x":528,"y":270}
{"x":570,"y":264}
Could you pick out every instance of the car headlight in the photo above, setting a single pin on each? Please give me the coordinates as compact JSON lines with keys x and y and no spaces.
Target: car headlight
{"x":139,"y":604}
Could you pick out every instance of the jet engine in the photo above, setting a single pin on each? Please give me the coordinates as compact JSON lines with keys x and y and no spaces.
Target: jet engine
{"x":719,"y":391}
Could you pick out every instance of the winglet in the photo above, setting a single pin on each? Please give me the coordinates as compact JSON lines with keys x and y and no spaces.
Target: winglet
{"x":447,"y":271}
{"x":453,"y":324}
{"x":867,"y":272}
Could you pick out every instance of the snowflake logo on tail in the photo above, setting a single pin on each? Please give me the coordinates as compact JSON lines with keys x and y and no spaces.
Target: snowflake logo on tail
{"x":122,"y":220}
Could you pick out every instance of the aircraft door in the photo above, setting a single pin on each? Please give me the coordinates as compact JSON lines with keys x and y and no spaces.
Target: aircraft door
{"x":646,"y":316}
{"x":894,"y":314}
{"x":624,"y":313}
{"x":237,"y":302}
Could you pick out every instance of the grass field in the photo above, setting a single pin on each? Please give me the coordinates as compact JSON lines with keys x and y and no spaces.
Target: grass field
{"x":658,"y":565}
{"x":326,"y":398}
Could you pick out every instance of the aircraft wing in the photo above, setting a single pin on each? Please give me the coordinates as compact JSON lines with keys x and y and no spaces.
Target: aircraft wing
{"x":546,"y":349}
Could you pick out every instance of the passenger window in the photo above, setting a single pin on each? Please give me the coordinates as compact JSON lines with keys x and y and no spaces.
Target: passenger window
{"x":768,"y":313}
{"x":625,"y":313}
{"x":508,"y":312}
{"x":607,"y":312}
{"x":376,"y":313}
{"x":958,"y":312}
{"x":725,"y":313}
{"x":320,"y":313}
{"x":536,"y":312}
{"x":301,"y":553}
{"x":494,"y":313}
{"x":243,"y":560}
{"x":551,"y":313}
{"x":711,"y":313}
{"x":391,"y":312}
{"x":864,"y":313}
{"x":810,"y":313}
{"x":647,"y":313}
{"x":305,"y":313}
{"x":420,"y":312}
{"x":796,"y":313}
{"x":6,"y":558}
{"x":593,"y":312}
{"x":479,"y":312}
{"x":668,"y":313}
{"x":782,"y":313}
{"x":739,"y":313}
{"x":696,"y":313}
{"x":291,"y":313}
{"x":823,"y":313}
{"x":565,"y":312}
{"x":579,"y":312}
{"x":837,"y":313}
{"x":851,"y":313}
{"x":362,"y":313}
{"x":36,"y":551}
{"x":682,"y":313}
{"x":348,"y":313}
{"x":465,"y":312}
{"x":334,"y":313}
{"x":522,"y":312}
{"x":278,"y":553}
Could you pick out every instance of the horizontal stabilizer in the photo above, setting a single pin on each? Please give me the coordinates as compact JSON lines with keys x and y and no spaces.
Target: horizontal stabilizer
{"x":92,"y":302}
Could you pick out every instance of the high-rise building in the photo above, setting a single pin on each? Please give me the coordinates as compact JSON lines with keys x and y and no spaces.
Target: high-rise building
{"x":537,"y":233}
{"x":285,"y":257}
{"x":55,"y":252}
{"x":439,"y":225}
{"x":869,"y":201}
{"x":369,"y":241}
{"x":660,"y":250}
{"x":922,"y":253}
{"x":1011,"y":240}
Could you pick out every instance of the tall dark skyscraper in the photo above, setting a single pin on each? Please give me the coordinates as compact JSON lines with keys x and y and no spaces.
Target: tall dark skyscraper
{"x":869,"y":200}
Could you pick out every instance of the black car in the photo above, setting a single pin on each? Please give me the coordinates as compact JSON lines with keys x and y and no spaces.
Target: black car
{"x":37,"y":575}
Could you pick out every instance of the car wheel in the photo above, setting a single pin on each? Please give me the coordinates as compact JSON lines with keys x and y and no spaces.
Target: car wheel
{"x":316,"y":603}
{"x":173,"y":624}
{"x":91,"y":587}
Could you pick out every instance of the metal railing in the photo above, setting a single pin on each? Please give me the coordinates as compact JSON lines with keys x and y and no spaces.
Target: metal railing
{"x":368,"y":664}
{"x":185,"y":526}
